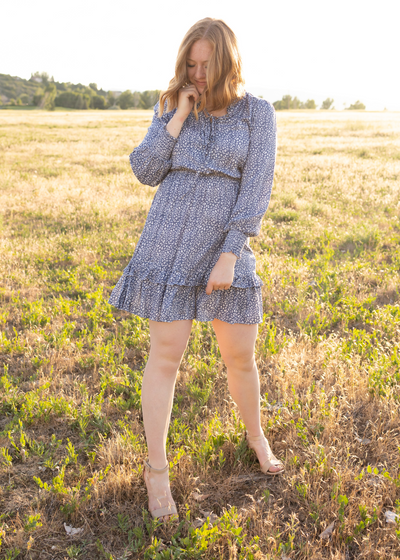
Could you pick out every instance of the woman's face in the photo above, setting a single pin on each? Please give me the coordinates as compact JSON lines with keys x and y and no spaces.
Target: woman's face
{"x":197,"y":60}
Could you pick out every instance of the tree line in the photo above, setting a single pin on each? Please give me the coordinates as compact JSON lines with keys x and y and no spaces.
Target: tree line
{"x":288,"y":102}
{"x":49,"y":98}
{"x":44,"y":92}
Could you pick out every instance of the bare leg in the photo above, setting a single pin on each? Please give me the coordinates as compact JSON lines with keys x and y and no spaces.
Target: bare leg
{"x":237,"y":345}
{"x":167,"y":345}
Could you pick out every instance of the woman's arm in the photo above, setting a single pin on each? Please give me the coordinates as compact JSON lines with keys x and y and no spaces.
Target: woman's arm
{"x":175,"y":124}
{"x":256,"y":181}
{"x":151,"y":160}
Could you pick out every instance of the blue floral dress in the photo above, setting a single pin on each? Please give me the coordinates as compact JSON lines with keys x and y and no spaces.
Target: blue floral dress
{"x":215,"y":184}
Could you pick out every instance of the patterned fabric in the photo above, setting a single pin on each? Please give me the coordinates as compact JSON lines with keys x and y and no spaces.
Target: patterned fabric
{"x":215,"y":184}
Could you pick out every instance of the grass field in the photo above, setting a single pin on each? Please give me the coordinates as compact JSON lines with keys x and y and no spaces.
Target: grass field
{"x":71,"y":433}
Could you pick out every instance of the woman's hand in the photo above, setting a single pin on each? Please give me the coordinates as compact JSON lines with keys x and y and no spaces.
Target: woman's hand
{"x":188,"y":96}
{"x":221,"y":276}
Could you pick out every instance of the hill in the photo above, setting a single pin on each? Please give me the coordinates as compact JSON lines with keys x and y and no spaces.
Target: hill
{"x":12,"y":87}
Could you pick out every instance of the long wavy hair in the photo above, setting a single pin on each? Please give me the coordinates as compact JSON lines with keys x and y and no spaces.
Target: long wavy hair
{"x":225,"y":83}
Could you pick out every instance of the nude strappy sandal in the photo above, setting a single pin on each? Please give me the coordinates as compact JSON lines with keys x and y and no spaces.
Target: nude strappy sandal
{"x":167,"y":510}
{"x":272,"y":461}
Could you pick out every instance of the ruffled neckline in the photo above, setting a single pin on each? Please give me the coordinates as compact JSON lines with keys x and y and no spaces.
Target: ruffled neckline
{"x":230,"y":111}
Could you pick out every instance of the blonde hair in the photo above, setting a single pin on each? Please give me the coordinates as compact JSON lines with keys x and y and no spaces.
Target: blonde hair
{"x":225,"y":83}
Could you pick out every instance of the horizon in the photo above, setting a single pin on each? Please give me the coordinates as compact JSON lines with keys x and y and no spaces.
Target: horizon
{"x":338,"y":104}
{"x":313,"y":64}
{"x":262,"y":92}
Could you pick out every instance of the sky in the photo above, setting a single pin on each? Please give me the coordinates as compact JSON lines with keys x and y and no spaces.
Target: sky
{"x":347,"y":50}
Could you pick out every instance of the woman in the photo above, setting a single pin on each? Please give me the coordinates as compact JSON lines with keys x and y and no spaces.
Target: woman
{"x":211,"y":149}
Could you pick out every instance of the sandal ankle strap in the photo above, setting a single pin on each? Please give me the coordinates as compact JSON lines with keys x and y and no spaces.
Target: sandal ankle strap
{"x":149,"y":468}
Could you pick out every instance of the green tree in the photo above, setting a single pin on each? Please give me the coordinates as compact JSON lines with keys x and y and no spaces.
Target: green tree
{"x":38,"y":97}
{"x":295,"y":103}
{"x":93,"y":86}
{"x":283,"y":104}
{"x":136,"y":98}
{"x":98,"y":102}
{"x":149,"y":98}
{"x":66,"y":99}
{"x":78,"y":101}
{"x":125,"y":100}
{"x":310,"y":104}
{"x":110,"y":99}
{"x":82,"y":101}
{"x":44,"y":77}
{"x":24,"y":98}
{"x":49,"y":101}
{"x":286,"y":102}
{"x":357,"y":106}
{"x":327,"y":104}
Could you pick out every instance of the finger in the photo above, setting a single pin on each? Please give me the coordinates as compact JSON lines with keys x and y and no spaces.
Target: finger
{"x":190,"y":92}
{"x":209,"y":288}
{"x":191,"y":87}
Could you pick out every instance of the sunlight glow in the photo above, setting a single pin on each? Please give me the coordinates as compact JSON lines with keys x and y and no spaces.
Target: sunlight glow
{"x":313,"y":50}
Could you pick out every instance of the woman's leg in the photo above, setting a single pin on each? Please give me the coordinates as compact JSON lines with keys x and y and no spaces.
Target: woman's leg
{"x":237,"y":344}
{"x":167,"y":345}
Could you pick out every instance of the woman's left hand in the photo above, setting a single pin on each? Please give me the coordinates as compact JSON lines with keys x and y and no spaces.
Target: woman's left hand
{"x":221,"y":276}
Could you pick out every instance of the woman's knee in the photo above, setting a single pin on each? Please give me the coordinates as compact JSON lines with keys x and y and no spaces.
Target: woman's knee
{"x":237,"y":344}
{"x":165,"y":359}
{"x":168,"y":342}
{"x":244,"y":362}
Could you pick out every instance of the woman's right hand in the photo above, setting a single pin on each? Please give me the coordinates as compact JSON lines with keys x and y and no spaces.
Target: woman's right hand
{"x":188,"y":96}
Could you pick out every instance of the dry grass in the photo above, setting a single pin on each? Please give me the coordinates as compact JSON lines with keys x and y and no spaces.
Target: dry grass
{"x":71,"y":433}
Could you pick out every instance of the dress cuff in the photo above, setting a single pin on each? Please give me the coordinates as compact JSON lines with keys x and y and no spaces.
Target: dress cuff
{"x":234,"y":242}
{"x":165,"y":143}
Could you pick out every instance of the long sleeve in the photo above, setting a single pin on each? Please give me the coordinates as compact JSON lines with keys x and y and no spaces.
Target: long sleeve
{"x":151,"y":160}
{"x":256,"y":181}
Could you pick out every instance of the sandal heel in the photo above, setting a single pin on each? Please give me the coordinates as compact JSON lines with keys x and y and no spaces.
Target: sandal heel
{"x":167,"y":510}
